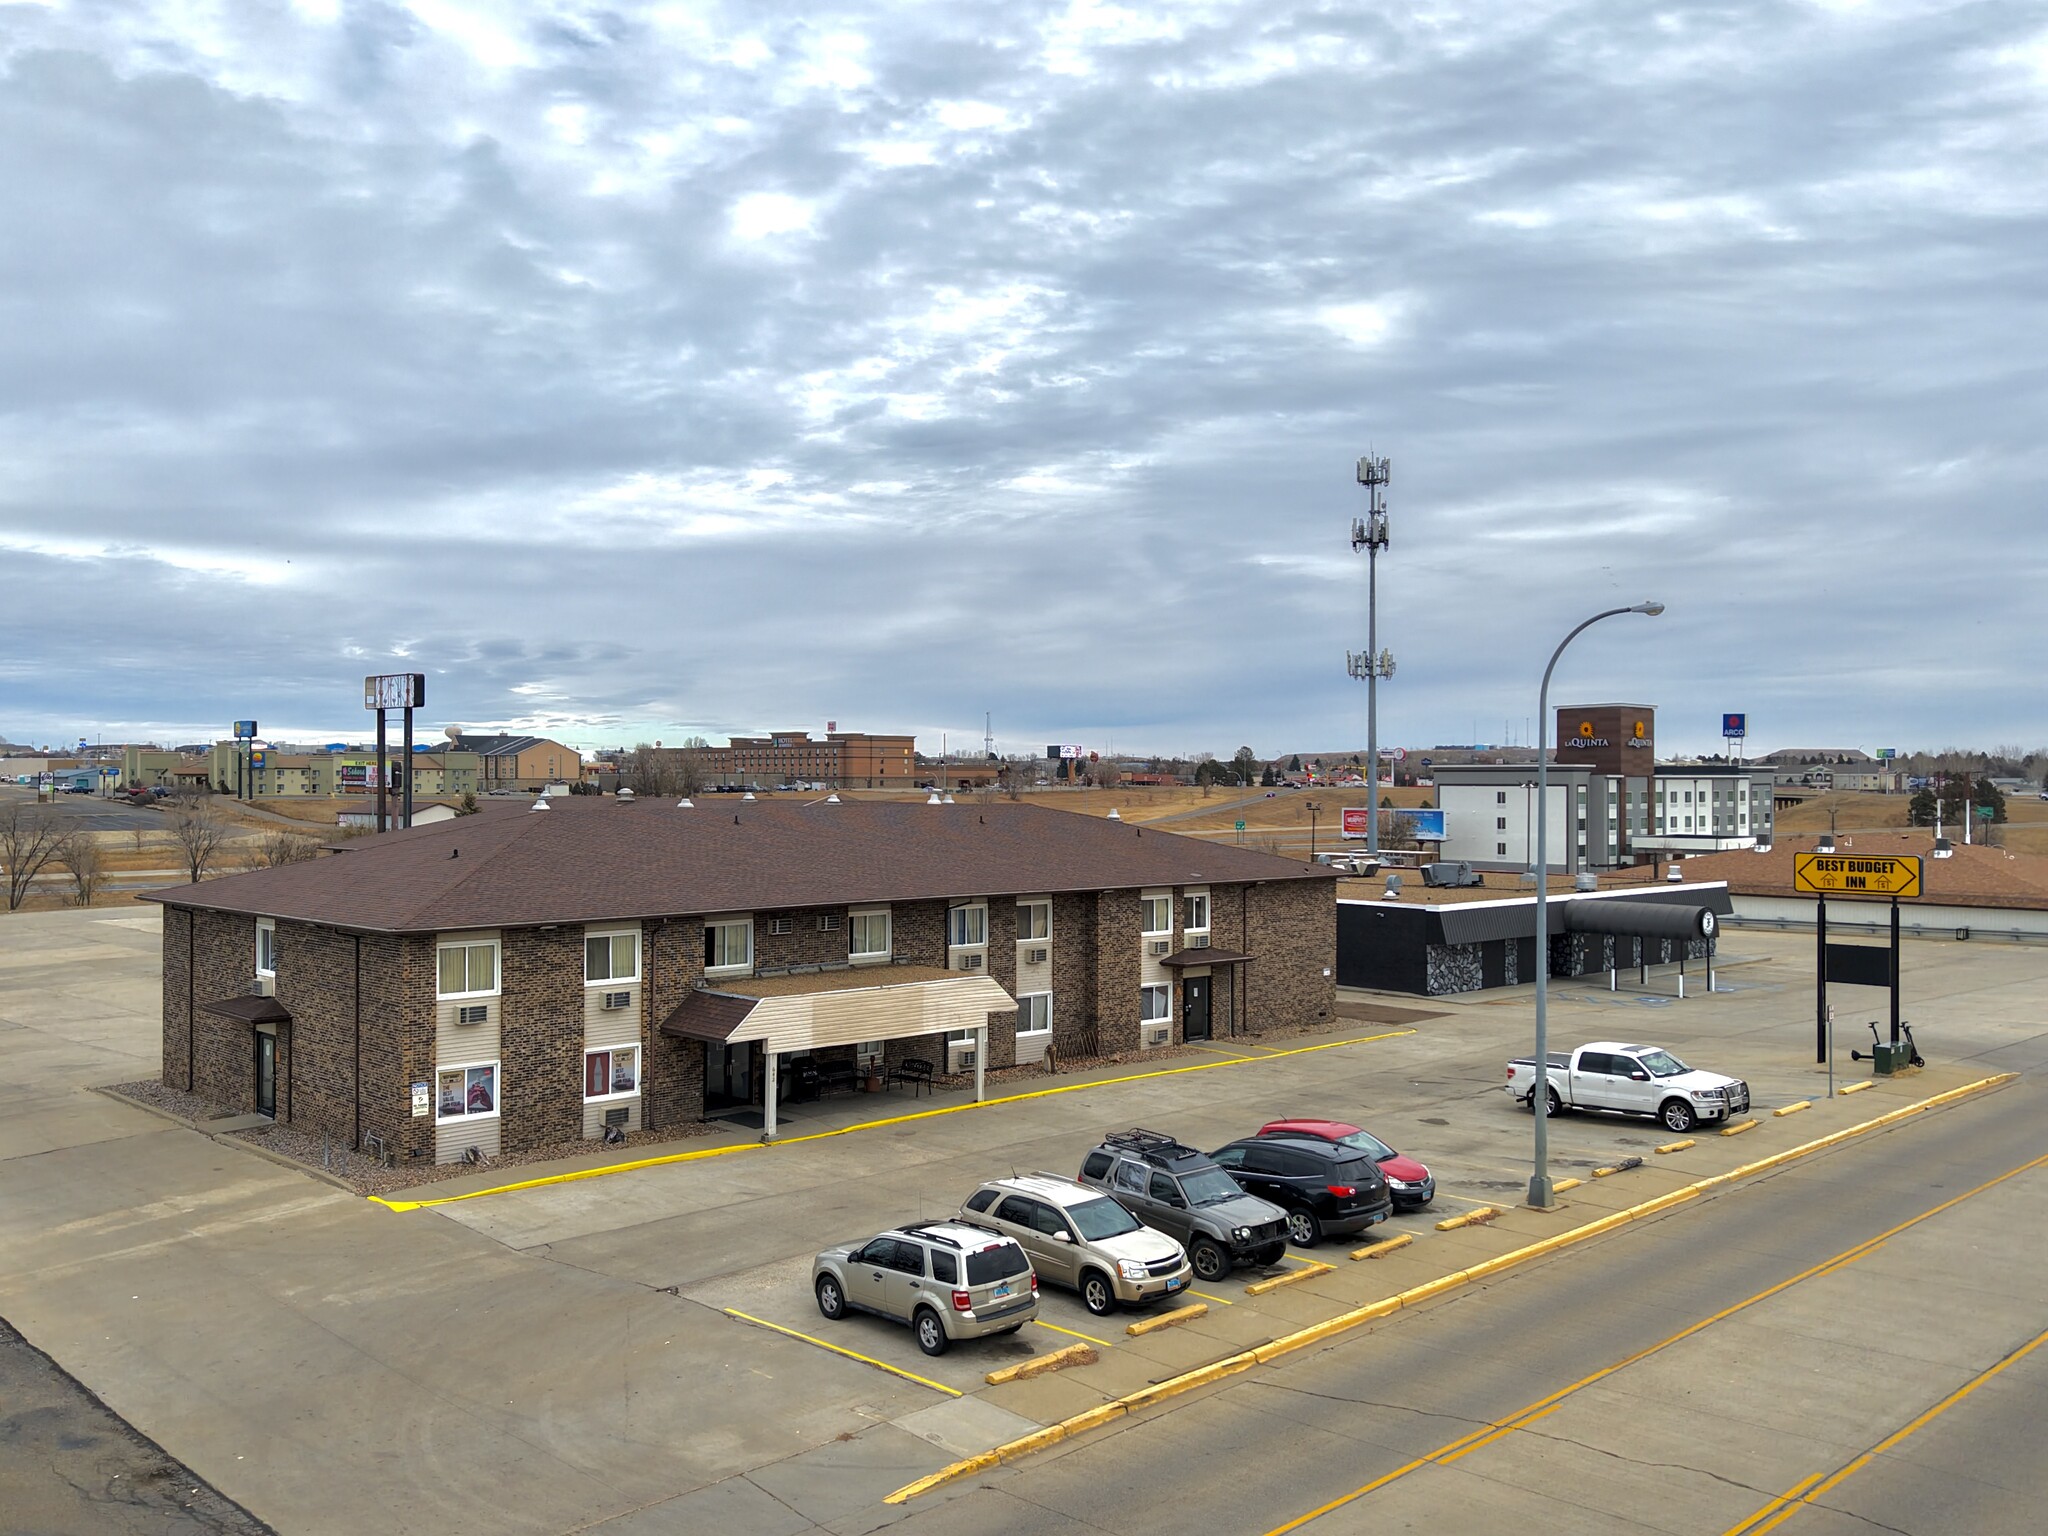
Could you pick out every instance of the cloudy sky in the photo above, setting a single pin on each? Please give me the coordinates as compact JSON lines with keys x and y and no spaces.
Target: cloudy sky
{"x":646,"y":370}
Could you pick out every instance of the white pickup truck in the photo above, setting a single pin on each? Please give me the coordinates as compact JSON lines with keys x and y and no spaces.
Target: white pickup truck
{"x":1633,"y":1080}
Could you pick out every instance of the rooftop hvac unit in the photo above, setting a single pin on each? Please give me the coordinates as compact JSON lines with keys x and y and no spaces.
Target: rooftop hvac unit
{"x":1155,"y":1035}
{"x":1196,"y":940}
{"x":618,"y":1000}
{"x":1035,"y":956}
{"x":1160,"y":947}
{"x":959,"y":1058}
{"x":475,"y":1013}
{"x":970,"y":962}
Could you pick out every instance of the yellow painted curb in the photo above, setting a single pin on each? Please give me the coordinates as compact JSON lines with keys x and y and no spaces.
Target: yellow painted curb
{"x":851,"y":1354}
{"x":1058,"y":1360}
{"x":1344,"y":1322}
{"x":1793,"y":1109}
{"x":579,"y":1174}
{"x":1677,"y":1146}
{"x":1469,"y":1219}
{"x":1737,"y":1130}
{"x":1309,"y":1272}
{"x":1381,"y":1250}
{"x":1173,"y":1319}
{"x":1856,"y":1087}
{"x":1564,"y":1184}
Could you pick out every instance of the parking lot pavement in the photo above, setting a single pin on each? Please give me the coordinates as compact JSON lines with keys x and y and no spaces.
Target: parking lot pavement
{"x":562,"y":1357}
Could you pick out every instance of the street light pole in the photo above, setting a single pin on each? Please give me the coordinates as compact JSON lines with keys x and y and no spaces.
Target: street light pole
{"x":1540,"y":1193}
{"x":1312,"y":809}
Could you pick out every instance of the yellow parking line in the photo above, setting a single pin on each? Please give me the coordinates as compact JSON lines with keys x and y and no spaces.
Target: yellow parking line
{"x":851,"y":1354}
{"x":579,"y":1174}
{"x":1070,"y":1333}
{"x":1224,"y":1300}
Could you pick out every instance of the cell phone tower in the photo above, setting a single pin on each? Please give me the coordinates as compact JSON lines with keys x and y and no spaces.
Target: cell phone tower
{"x":1369,"y":533}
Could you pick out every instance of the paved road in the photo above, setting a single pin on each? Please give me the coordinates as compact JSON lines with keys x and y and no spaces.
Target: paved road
{"x":1686,"y":1376}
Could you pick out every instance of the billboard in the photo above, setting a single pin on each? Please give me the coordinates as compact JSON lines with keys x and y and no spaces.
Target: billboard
{"x":1065,"y":754}
{"x":245,"y":730}
{"x":1734,"y":726}
{"x":1357,"y":821}
{"x":1427,"y":825}
{"x":395,"y":690}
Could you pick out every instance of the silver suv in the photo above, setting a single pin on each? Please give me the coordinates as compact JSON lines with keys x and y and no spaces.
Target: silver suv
{"x":946,"y":1279}
{"x":1080,"y":1238}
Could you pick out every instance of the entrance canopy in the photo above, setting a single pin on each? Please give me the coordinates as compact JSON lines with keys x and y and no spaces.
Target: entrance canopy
{"x":1180,"y":959}
{"x":250,"y":1010}
{"x":843,"y":1007}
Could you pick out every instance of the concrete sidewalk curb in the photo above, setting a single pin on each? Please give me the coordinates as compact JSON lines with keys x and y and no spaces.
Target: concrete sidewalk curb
{"x":1344,"y":1322}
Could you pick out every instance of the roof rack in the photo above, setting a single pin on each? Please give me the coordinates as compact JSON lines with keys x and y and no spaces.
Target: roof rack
{"x":1153,"y":1146}
{"x":928,"y":1231}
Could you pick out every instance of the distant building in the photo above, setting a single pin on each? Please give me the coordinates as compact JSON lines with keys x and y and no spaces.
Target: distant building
{"x":843,"y":760}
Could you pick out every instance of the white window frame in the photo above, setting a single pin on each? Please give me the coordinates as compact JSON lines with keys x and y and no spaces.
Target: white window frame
{"x":1041,"y":908}
{"x":1156,"y":905}
{"x":497,"y":969}
{"x":1158,"y":993}
{"x":952,"y":913}
{"x":266,"y":928}
{"x":465,"y":1115}
{"x":612,"y":934}
{"x":731,"y":967}
{"x":1188,"y":923}
{"x":613,"y":1051}
{"x":858,"y":916}
{"x":1034,"y":997}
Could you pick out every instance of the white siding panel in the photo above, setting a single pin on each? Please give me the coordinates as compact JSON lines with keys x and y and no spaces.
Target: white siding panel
{"x":820,"y":1019}
{"x":594,"y":1113}
{"x":453,"y":1137}
{"x":611,"y":1026}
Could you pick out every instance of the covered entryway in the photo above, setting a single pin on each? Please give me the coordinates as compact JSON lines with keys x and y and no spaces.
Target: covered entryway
{"x":1199,"y":971}
{"x":265,"y":1016}
{"x":779,"y":1017}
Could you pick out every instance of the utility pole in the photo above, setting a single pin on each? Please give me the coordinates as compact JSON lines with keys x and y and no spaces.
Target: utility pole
{"x":1369,"y":533}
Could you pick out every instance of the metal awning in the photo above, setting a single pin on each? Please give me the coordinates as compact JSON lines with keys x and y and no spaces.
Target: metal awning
{"x":1186,"y":957}
{"x":250,"y":1010}
{"x":838,"y":1008}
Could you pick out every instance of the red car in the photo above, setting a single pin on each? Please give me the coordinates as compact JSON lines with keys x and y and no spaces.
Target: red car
{"x":1407,"y":1180}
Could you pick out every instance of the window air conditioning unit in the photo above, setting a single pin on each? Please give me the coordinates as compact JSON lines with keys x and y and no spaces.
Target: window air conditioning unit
{"x":782,"y":925}
{"x":828,"y":922}
{"x":1196,"y":941}
{"x":970,"y":962}
{"x":474,"y":1013}
{"x":618,"y":1000}
{"x":1160,"y":946}
{"x":1035,"y":956}
{"x":960,"y":1058}
{"x":1157,"y":1035}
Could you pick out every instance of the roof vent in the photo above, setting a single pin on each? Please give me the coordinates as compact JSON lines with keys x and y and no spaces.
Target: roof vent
{"x":948,"y":800}
{"x":1826,"y":843}
{"x":625,"y":795}
{"x":935,"y":800}
{"x":686,"y":804}
{"x":539,"y":805}
{"x":1944,"y":849}
{"x":1676,"y":876}
{"x":831,"y":799}
{"x":1113,"y":815}
{"x":748,"y":795}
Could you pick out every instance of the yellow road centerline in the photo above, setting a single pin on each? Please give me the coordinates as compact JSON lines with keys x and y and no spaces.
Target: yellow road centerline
{"x":851,"y":1354}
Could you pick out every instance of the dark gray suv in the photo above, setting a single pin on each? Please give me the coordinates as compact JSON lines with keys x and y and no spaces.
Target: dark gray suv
{"x":1182,"y":1193}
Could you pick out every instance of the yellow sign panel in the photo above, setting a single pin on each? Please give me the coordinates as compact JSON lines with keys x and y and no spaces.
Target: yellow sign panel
{"x":1848,"y":874}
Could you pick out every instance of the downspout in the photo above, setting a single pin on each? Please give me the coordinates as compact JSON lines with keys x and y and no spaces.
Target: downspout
{"x":357,"y":1144}
{"x":191,"y":995}
{"x":647,"y":1047}
{"x":1244,"y":947}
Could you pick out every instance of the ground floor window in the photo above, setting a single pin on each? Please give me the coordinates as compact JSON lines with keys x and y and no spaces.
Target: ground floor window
{"x":868,"y":1055}
{"x":1155,"y":1004}
{"x":465,"y":1092}
{"x":611,"y":1073}
{"x":1034,"y":1014}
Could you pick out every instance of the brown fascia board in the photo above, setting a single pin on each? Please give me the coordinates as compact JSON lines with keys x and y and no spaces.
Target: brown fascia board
{"x":604,"y":861}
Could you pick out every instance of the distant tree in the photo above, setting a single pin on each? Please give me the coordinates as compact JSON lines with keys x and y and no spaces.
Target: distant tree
{"x":29,"y":840}
{"x":1269,"y":778}
{"x":689,"y":769}
{"x":649,"y":771}
{"x":1988,"y":794}
{"x":467,"y":805}
{"x":1920,"y":809}
{"x":1209,"y":772}
{"x":1294,"y":764}
{"x":80,"y":853}
{"x":1242,"y":762}
{"x":200,"y":833}
{"x":281,"y":847}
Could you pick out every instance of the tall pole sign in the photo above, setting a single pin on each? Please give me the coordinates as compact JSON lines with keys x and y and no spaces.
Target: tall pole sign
{"x":1825,"y":873}
{"x":1733,"y":729}
{"x":402,"y":691}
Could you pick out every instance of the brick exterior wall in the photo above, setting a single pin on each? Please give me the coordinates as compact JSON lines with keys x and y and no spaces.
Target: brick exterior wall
{"x":1073,"y":975}
{"x":541,"y":1037}
{"x":672,"y":964}
{"x":802,"y":945}
{"x":1115,"y":999}
{"x":398,"y":1041}
{"x":1292,"y":927}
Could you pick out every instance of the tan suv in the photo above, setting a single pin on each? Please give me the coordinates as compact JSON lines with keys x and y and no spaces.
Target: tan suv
{"x":1080,"y":1238}
{"x":948,"y":1280}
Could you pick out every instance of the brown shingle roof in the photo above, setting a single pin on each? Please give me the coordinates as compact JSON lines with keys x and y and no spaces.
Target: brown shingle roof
{"x":596,"y":860}
{"x":1975,"y":876}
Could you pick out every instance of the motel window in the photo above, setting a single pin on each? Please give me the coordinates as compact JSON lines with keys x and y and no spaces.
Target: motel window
{"x":1195,"y":912}
{"x":729,"y":945}
{"x":967,"y":926}
{"x":466,"y":1092}
{"x":1500,"y":849}
{"x":1500,"y":823}
{"x":867,"y":935}
{"x":266,"y":946}
{"x":469,"y":969}
{"x":1158,"y":914}
{"x":1154,"y":1004}
{"x":611,"y":957}
{"x":1500,"y":797}
{"x":1034,"y":1014}
{"x":1034,"y":920}
{"x":611,"y":1073}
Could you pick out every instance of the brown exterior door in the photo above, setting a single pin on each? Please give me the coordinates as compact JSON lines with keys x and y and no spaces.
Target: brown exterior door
{"x":1194,"y":1008}
{"x":266,"y":1075}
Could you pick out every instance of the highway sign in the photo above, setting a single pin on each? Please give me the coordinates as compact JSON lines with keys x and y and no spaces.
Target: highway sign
{"x":1240,"y":826}
{"x":1845,"y":874}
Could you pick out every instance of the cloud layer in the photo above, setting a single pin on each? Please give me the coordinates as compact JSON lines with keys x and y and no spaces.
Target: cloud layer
{"x":642,"y":371}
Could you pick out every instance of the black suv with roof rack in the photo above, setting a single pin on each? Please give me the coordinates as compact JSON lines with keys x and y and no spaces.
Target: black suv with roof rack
{"x":1181,"y":1192}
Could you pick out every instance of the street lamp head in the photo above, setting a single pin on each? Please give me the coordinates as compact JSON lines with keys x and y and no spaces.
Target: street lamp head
{"x":1651,"y":608}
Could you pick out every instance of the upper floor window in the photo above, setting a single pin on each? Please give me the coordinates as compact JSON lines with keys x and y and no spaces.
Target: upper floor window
{"x":611,"y":957}
{"x":1034,"y":920}
{"x":266,"y":946}
{"x":729,"y":945}
{"x":469,"y":968}
{"x":967,"y":926}
{"x":1195,"y":912}
{"x":1158,"y":914}
{"x":867,"y":935}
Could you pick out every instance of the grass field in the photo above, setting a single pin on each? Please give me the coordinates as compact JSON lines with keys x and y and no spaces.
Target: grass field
{"x":2024,"y":831}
